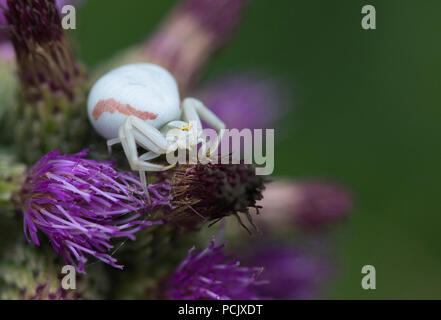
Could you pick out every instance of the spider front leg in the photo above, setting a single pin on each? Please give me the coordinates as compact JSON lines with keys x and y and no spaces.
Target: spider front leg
{"x":135,"y":132}
{"x":194,"y":110}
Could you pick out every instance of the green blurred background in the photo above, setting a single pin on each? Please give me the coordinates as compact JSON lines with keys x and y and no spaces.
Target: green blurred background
{"x":366,"y":113}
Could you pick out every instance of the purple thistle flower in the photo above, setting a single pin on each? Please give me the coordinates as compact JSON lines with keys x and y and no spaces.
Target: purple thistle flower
{"x":211,"y":275}
{"x":309,"y":204}
{"x":246,"y":101}
{"x":81,"y":205}
{"x":291,"y":272}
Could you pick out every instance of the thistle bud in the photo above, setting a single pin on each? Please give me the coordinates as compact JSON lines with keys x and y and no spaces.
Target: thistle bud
{"x":8,"y":97}
{"x":11,"y":177}
{"x":193,"y":32}
{"x":309,"y":204}
{"x":51,"y":112}
{"x":187,"y":39}
{"x":30,"y":274}
{"x":6,"y":50}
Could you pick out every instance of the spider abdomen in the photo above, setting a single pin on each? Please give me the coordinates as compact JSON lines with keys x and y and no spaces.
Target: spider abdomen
{"x":144,"y":90}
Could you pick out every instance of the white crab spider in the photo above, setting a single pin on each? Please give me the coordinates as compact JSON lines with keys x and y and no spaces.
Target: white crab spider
{"x":138,"y":105}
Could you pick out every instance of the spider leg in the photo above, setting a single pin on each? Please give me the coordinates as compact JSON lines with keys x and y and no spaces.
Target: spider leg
{"x":195,"y":110}
{"x":133,"y":132}
{"x":110,"y":143}
{"x":148,"y":156}
{"x":143,"y":167}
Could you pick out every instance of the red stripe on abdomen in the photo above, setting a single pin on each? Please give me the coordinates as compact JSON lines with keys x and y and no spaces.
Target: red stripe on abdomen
{"x":112,"y":106}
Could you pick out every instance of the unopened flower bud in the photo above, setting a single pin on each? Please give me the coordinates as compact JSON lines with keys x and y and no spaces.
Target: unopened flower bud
{"x":51,"y":112}
{"x":28,"y":273}
{"x":309,"y":204}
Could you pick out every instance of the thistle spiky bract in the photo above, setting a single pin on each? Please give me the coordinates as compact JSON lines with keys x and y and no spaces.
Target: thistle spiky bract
{"x":35,"y":274}
{"x":8,"y":99}
{"x":12,"y":175}
{"x":50,"y":113}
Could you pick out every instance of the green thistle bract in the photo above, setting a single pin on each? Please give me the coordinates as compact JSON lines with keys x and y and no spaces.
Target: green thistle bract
{"x":31,"y":274}
{"x":50,"y":114}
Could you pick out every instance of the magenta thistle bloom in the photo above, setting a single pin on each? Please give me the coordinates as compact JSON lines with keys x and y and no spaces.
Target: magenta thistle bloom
{"x":291,"y":272}
{"x":81,"y":205}
{"x":211,"y":275}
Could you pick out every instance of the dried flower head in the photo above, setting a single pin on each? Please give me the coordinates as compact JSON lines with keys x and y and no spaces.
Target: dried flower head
{"x":209,"y":192}
{"x":211,"y":275}
{"x":53,"y":86}
{"x":81,"y":205}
